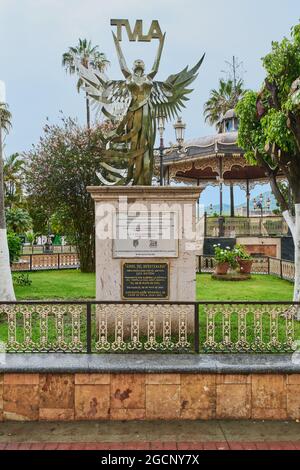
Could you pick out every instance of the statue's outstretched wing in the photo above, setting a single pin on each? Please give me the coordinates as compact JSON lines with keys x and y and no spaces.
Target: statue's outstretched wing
{"x":110,"y":97}
{"x":168,"y":97}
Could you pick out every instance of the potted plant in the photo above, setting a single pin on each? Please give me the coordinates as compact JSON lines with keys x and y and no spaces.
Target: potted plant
{"x":224,"y":258}
{"x":244,"y":259}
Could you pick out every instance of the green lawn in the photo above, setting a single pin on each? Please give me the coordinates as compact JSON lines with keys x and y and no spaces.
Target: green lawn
{"x":72,"y":284}
{"x":69,"y":285}
{"x":259,"y":288}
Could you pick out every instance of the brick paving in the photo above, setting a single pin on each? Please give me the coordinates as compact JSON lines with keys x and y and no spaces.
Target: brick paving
{"x":160,"y":446}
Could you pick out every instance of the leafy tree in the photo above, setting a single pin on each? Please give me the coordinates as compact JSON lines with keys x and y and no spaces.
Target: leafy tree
{"x":6,"y":284}
{"x":18,"y":220}
{"x":89,"y":56}
{"x":59,"y":169}
{"x":14,"y":246}
{"x":222,"y":100}
{"x":269,"y":130}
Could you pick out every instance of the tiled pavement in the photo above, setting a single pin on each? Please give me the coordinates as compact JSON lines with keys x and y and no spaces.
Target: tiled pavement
{"x":176,"y":435}
{"x":179,"y":446}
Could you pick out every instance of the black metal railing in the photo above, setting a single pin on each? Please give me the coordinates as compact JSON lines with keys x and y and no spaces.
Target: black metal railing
{"x":159,"y":327}
{"x":281,"y":268}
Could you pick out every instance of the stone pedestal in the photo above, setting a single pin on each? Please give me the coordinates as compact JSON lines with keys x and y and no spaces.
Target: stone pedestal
{"x":109,"y":201}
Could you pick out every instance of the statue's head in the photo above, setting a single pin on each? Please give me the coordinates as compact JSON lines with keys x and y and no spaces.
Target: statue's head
{"x":139,"y":67}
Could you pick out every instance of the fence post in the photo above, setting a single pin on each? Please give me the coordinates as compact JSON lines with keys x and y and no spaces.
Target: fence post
{"x":88,"y":328}
{"x":58,"y":260}
{"x":30,"y":262}
{"x":268,"y":264}
{"x":197,"y":326}
{"x":199,"y":264}
{"x":280,"y":268}
{"x":205,"y":224}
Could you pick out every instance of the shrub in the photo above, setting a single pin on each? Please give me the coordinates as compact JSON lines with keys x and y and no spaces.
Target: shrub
{"x":225,"y":255}
{"x":240,"y":252}
{"x":14,"y":246}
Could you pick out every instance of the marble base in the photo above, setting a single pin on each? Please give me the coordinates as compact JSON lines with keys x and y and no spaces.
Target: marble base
{"x":182,"y":269}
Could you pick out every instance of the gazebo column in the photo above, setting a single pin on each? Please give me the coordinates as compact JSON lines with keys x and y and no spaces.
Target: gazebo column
{"x":221,"y":185}
{"x":221,"y":218}
{"x":248,"y":198}
{"x":231,"y":200}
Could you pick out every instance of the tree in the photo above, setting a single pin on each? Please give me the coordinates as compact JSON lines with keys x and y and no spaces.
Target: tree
{"x":221,"y":100}
{"x":6,"y":284}
{"x":89,"y":56}
{"x":269,"y":131}
{"x":14,"y":246}
{"x":58,"y":171}
{"x":13,"y":166}
{"x":18,"y":220}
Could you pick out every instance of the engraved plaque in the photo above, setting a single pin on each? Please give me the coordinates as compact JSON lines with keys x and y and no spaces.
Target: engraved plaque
{"x":145,"y":281}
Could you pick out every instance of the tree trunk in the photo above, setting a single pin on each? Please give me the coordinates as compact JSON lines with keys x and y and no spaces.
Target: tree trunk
{"x":294,"y":226}
{"x":87,"y":259}
{"x":6,"y":284}
{"x":86,"y":247}
{"x":297,"y":257}
{"x":88,"y":112}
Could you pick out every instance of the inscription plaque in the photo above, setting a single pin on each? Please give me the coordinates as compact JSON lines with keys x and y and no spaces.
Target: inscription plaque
{"x":146,"y":235}
{"x":145,"y":281}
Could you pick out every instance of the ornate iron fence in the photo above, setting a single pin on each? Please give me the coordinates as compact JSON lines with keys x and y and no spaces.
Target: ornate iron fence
{"x":245,"y":226}
{"x":261,"y":265}
{"x":40,"y":249}
{"x":104,"y":327}
{"x":44,"y":262}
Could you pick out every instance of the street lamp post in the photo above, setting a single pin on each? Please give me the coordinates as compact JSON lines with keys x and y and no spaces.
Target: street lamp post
{"x":161,"y":130}
{"x":179,"y":127}
{"x":259,"y":205}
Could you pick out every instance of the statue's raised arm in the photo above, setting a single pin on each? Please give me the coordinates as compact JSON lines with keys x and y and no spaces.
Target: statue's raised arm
{"x":125,"y":70}
{"x":158,"y":57}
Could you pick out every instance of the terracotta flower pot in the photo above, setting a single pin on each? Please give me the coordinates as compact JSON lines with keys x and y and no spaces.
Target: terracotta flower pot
{"x":245,"y":265}
{"x":222,"y":268}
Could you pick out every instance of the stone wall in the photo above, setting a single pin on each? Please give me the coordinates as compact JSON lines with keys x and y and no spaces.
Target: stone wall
{"x":108,"y":396}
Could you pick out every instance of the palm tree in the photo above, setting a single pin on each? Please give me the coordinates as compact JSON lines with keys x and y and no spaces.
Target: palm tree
{"x":6,"y":284}
{"x":221,"y":100}
{"x":12,"y":170}
{"x":89,"y":56}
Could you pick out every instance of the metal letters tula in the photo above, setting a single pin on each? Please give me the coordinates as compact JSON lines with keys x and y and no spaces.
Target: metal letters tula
{"x":137,"y":33}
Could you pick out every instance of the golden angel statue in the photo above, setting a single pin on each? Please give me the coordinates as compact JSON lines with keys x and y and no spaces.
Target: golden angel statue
{"x":133,"y":105}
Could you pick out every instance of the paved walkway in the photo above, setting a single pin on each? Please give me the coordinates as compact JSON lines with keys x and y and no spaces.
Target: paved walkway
{"x":179,"y":435}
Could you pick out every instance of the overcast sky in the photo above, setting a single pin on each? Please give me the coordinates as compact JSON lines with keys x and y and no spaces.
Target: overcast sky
{"x":35,"y":33}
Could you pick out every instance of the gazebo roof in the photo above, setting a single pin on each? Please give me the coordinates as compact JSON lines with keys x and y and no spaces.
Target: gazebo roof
{"x":211,"y":159}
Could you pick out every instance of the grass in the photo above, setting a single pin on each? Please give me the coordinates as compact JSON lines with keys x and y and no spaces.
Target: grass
{"x":259,"y":288}
{"x":74,"y":285}
{"x":69,"y":284}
